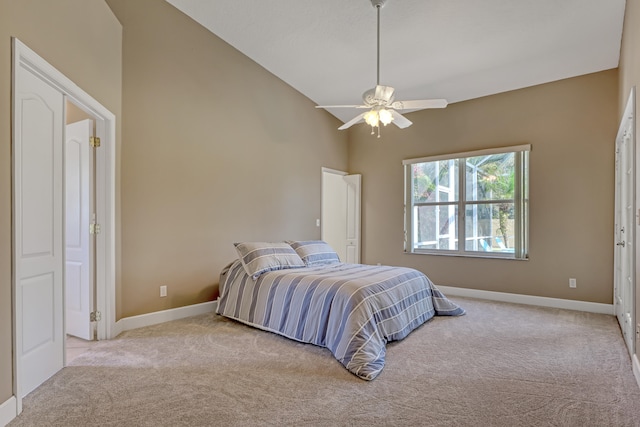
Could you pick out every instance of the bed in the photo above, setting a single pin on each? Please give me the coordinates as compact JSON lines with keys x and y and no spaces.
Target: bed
{"x":301,"y":290}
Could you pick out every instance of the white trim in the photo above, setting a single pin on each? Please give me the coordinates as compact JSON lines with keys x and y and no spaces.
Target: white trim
{"x":334,"y":171}
{"x":636,"y":368}
{"x":156,"y":317}
{"x":8,"y":411}
{"x":592,"y":307}
{"x":476,"y":153}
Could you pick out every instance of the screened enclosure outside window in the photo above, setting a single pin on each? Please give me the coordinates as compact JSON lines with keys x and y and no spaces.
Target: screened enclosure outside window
{"x":473,"y":203}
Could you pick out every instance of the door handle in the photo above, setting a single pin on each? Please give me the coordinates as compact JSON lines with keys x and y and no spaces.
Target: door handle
{"x":620,"y":244}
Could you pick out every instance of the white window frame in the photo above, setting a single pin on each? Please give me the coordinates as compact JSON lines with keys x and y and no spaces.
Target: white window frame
{"x":520,"y":200}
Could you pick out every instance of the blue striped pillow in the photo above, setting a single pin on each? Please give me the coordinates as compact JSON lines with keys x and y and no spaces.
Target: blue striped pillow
{"x":260,"y":257}
{"x":315,"y":252}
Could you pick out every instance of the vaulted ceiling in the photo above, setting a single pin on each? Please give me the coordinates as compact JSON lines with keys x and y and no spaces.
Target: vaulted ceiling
{"x":452,"y":49}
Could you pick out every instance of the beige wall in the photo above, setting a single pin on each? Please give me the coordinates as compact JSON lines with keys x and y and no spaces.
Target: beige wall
{"x":630,"y":77}
{"x":75,"y":114}
{"x":571,"y":126}
{"x":82,"y":39}
{"x":215,"y":150}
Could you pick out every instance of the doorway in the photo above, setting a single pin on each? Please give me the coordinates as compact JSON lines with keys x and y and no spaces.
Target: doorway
{"x":39,"y":94}
{"x":340,"y":216}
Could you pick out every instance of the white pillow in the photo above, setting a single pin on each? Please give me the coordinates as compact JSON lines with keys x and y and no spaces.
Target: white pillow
{"x":260,"y":257}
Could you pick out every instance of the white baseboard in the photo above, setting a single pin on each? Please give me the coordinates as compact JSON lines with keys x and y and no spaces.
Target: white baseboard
{"x":636,"y":368}
{"x":592,"y":307}
{"x":8,"y":411}
{"x":154,"y":318}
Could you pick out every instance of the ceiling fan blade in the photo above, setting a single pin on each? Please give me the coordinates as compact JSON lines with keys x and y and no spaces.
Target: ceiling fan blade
{"x":352,"y":122}
{"x":400,"y":120}
{"x":342,"y":106}
{"x":420,"y":104}
{"x":384,"y":93}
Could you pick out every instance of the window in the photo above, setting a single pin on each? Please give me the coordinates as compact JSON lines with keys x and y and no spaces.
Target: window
{"x":473,"y":204}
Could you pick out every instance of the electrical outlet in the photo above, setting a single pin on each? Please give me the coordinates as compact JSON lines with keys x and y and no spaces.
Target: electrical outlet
{"x":318,"y":222}
{"x":572,"y":283}
{"x":163,"y":291}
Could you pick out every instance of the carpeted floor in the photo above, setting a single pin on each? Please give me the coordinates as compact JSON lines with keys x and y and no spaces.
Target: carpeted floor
{"x":500,"y":365}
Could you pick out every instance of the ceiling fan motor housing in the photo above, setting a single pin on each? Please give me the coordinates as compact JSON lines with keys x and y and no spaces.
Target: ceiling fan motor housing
{"x":380,"y":95}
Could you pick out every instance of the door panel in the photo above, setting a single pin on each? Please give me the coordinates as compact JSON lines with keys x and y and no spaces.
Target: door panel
{"x":37,"y":297}
{"x":38,"y":214}
{"x":78,"y":243}
{"x":36,"y":195}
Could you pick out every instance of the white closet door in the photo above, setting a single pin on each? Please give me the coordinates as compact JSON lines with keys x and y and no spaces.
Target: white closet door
{"x":38,"y":219}
{"x":625,"y":228}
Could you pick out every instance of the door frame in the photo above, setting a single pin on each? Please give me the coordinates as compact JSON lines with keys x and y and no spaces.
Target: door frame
{"x":25,"y":60}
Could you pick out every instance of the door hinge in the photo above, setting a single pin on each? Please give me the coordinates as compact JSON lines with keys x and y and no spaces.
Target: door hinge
{"x":95,"y":316}
{"x":95,"y":141}
{"x":94,"y":228}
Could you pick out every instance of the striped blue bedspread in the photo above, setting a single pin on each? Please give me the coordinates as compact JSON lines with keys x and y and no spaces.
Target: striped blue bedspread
{"x":351,"y":309}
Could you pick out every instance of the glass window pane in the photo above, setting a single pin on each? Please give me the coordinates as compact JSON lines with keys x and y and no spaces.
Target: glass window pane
{"x":435,"y":181}
{"x":490,"y":177}
{"x":435,"y":227}
{"x":490,"y":227}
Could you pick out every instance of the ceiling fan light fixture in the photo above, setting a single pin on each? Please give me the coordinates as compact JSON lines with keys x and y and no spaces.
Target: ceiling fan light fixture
{"x":385,"y":116}
{"x":377,"y":115}
{"x":371,"y":118}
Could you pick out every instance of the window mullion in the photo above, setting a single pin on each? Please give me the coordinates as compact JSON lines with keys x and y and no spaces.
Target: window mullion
{"x":516,"y":207}
{"x":462,"y":212}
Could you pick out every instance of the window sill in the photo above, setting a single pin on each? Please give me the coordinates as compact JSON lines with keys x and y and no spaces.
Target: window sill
{"x":469,"y":255}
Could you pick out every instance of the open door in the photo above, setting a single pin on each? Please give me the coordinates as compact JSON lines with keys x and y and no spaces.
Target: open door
{"x":37,"y":228}
{"x":79,"y":251}
{"x":341,"y":213}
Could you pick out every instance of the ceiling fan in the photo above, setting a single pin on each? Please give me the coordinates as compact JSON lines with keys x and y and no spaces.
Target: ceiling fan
{"x":380,"y":101}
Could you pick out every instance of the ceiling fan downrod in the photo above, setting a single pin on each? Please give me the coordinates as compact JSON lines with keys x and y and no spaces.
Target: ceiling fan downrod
{"x":378,"y":4}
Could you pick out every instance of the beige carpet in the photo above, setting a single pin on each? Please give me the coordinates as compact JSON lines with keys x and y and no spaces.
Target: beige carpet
{"x":500,"y":365}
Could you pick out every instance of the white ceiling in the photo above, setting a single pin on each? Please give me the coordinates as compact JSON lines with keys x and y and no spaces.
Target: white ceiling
{"x":452,"y":49}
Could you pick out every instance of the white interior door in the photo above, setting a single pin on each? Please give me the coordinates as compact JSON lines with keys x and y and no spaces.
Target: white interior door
{"x":341,"y":213}
{"x":624,"y":257}
{"x":38,"y":212}
{"x":78,"y":169}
